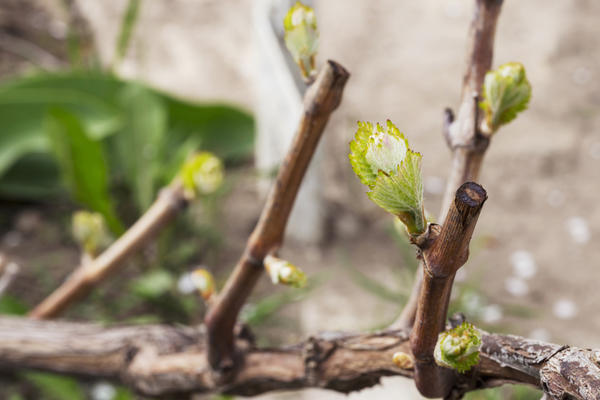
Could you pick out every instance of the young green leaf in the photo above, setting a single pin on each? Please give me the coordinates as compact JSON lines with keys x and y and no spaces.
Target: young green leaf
{"x":302,"y":36}
{"x":381,"y":158}
{"x":90,"y":231}
{"x":458,"y":348}
{"x":145,"y":129}
{"x":202,"y":174}
{"x":506,"y":92}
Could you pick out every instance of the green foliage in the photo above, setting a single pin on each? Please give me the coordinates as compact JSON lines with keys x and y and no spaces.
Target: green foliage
{"x":55,"y":387}
{"x":302,"y":36}
{"x":153,"y":284}
{"x":259,"y":312}
{"x":82,"y":163}
{"x":145,"y":134}
{"x":508,"y":392}
{"x":375,"y":287}
{"x":11,"y":306}
{"x":145,"y":123}
{"x":506,"y":92}
{"x":127,"y":25}
{"x":383,"y":161}
{"x":458,"y":348}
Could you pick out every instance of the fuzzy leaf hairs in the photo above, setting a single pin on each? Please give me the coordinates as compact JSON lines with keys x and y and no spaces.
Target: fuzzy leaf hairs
{"x":458,"y":348}
{"x":382,"y":159}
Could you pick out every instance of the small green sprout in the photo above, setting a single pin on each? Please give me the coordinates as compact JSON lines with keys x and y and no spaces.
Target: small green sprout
{"x":282,"y":271}
{"x":506,"y":92}
{"x":381,"y":158}
{"x":204,"y":282}
{"x":458,"y":348}
{"x":302,"y":36}
{"x":202,"y":174}
{"x":90,"y":231}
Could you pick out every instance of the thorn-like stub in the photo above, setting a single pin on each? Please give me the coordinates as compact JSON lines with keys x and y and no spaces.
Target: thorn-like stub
{"x":425,"y":239}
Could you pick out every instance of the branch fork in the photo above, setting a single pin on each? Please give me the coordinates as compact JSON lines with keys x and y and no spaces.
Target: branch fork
{"x":441,"y":259}
{"x":320,"y":100}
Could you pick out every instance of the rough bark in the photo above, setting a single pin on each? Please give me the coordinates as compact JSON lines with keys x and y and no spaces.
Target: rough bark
{"x":157,"y":360}
{"x":443,"y":254}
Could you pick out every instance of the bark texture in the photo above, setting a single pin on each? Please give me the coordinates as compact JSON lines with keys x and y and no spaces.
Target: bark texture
{"x":158,"y":360}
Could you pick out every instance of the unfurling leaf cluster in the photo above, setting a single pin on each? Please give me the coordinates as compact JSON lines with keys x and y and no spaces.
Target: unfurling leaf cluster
{"x":458,"y":348}
{"x":383,"y":161}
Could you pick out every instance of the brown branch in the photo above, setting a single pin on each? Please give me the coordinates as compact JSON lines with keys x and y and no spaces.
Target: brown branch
{"x":320,"y":100}
{"x":467,"y":143}
{"x":170,"y":201}
{"x":445,"y":254}
{"x":157,"y":360}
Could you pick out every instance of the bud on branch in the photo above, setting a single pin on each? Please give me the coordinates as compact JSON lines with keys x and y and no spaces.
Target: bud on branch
{"x":203,"y":282}
{"x":282,"y":271}
{"x":90,"y":231}
{"x":506,"y":92}
{"x":381,"y":158}
{"x":458,"y":348}
{"x":302,"y":36}
{"x":202,"y":174}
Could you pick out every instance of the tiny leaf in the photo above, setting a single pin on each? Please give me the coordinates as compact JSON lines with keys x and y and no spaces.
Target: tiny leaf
{"x":506,"y":92}
{"x":202,"y":174}
{"x":302,"y":36}
{"x":383,"y":161}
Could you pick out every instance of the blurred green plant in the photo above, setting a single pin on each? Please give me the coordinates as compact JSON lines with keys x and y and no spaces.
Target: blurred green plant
{"x":508,"y":392}
{"x":95,"y":132}
{"x":55,"y":387}
{"x":127,"y":26}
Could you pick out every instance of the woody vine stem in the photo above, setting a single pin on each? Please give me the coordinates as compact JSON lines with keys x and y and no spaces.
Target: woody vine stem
{"x":221,"y":356}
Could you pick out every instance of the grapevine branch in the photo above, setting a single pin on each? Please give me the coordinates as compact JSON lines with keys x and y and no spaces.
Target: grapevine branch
{"x":443,"y":254}
{"x":463,"y":136}
{"x":170,"y":201}
{"x":160,"y":360}
{"x":320,"y":100}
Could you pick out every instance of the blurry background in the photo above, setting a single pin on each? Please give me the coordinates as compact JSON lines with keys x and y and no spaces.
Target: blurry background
{"x":149,"y":81}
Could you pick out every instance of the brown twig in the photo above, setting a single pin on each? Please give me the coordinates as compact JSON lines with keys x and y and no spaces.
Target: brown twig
{"x":320,"y":100}
{"x":442,"y":258}
{"x":168,"y":204}
{"x":159,"y":360}
{"x":463,"y":136}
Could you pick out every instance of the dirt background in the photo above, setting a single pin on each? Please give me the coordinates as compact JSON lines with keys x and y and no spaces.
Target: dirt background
{"x":406,"y":59}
